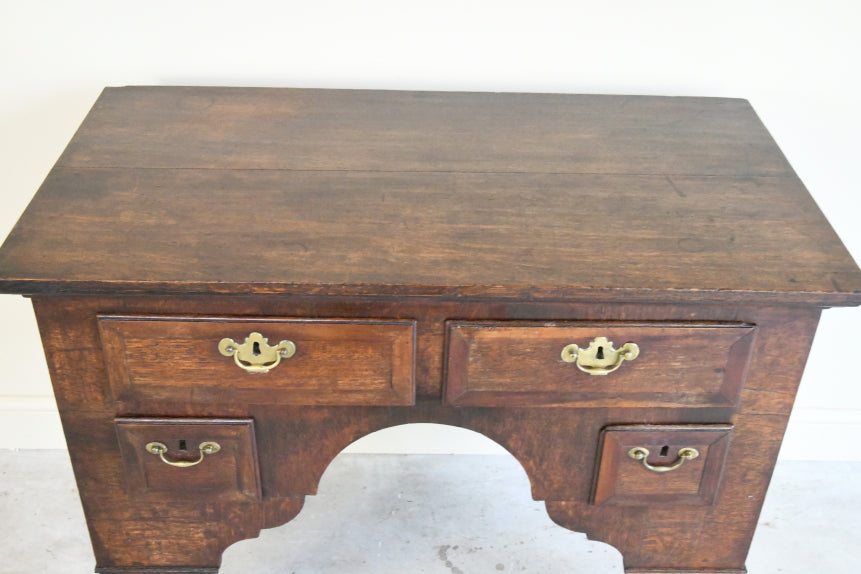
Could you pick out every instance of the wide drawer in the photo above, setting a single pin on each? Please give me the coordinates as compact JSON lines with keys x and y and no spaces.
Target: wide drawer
{"x":524,"y":364}
{"x":207,"y":459}
{"x":218,"y":360}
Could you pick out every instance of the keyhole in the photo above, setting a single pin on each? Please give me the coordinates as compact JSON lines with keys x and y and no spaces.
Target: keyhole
{"x":600,"y":354}
{"x":255,"y":348}
{"x":664,"y":450}
{"x":182,"y":445}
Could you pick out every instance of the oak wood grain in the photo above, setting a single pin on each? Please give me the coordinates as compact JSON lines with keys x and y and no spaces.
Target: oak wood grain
{"x":520,"y":364}
{"x":231,"y":473}
{"x":423,"y":210}
{"x":557,"y":446}
{"x":619,"y":479}
{"x":453,"y":234}
{"x":307,"y":129}
{"x":336,"y":362}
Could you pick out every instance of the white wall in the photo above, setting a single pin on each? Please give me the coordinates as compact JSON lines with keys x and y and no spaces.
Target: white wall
{"x":797,"y":62}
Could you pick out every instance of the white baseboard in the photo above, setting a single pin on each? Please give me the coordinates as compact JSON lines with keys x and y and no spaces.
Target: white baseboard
{"x":32,"y":422}
{"x":822,"y":434}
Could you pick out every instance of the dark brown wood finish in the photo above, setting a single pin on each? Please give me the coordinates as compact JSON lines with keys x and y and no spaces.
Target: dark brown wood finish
{"x":386,"y":193}
{"x":337,"y":362}
{"x":520,"y":364}
{"x":619,"y":479}
{"x":355,"y":130}
{"x":230,"y":473}
{"x":455,"y":238}
{"x":558,"y":448}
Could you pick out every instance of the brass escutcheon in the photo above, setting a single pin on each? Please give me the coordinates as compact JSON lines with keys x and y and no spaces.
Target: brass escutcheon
{"x":600,"y":358}
{"x":159,"y":449}
{"x":641,"y":453}
{"x":255,"y":355}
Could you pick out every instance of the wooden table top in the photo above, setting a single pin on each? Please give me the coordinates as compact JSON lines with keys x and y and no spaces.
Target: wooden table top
{"x":489,"y":195}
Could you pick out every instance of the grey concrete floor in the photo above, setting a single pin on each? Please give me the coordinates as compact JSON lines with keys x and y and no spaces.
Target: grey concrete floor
{"x":431,"y":514}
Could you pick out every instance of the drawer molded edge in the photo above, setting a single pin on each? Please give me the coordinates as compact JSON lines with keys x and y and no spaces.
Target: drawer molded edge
{"x":498,"y":363}
{"x":337,"y":361}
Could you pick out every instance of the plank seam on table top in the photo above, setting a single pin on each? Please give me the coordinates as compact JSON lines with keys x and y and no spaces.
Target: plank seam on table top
{"x":787,"y":175}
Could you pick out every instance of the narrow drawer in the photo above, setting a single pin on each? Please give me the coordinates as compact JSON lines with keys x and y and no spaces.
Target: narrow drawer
{"x":210,"y":459}
{"x":533,"y":364}
{"x":242,"y":360}
{"x":643,"y":465}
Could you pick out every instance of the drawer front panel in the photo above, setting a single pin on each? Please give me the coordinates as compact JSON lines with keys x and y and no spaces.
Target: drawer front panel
{"x":683,"y":464}
{"x":334,"y":362}
{"x":505,"y":364}
{"x":210,"y":459}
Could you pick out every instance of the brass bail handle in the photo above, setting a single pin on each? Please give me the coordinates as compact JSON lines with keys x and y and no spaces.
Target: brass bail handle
{"x":600,"y":357}
{"x":159,"y":449}
{"x":255,"y":355}
{"x":641,"y":453}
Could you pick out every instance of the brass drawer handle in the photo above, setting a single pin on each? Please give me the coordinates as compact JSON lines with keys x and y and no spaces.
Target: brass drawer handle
{"x":255,"y":355}
{"x":600,"y":358}
{"x":159,"y":448}
{"x":640,"y":453}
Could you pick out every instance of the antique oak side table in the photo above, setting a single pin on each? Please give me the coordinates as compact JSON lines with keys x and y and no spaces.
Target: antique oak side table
{"x":232,"y":285}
